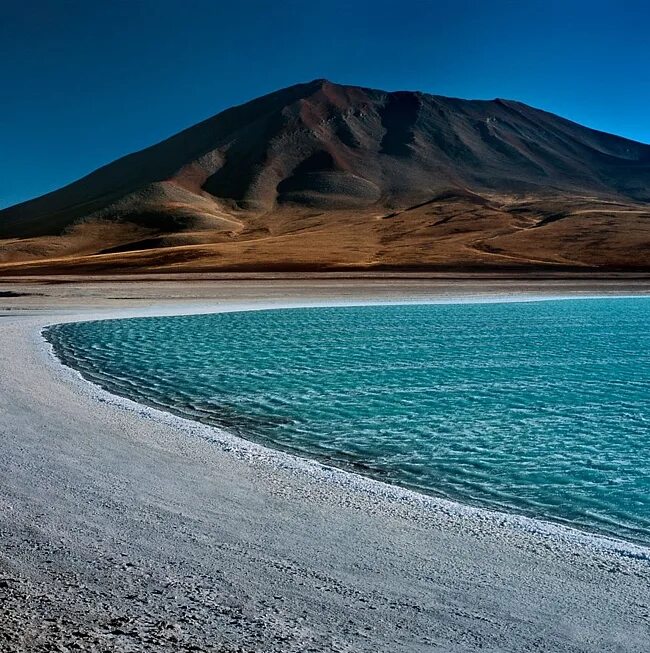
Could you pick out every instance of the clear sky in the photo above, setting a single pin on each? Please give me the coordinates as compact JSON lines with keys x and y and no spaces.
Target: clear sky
{"x":83,"y":82}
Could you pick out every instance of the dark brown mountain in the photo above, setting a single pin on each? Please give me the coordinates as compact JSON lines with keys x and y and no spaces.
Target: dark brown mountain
{"x":324,"y":176}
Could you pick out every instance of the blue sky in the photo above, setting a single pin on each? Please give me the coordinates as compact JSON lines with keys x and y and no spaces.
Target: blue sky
{"x":84,"y":82}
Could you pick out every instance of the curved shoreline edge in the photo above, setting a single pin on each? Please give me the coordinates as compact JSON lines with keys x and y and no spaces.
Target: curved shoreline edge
{"x":475,"y":519}
{"x":124,"y":530}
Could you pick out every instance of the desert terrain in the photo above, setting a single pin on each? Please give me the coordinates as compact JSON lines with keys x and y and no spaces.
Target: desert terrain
{"x":321,"y":176}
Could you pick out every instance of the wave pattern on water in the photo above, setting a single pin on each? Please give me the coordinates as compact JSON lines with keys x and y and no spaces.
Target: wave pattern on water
{"x":538,"y":408}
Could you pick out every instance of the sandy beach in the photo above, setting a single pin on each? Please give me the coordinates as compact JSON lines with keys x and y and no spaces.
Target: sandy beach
{"x":123,"y":528}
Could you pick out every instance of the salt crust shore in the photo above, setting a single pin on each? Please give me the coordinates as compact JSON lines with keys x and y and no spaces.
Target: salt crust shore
{"x":325,"y":474}
{"x":128,"y":528}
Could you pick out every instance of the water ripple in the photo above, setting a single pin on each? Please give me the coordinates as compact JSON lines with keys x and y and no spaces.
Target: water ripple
{"x":539,"y":408}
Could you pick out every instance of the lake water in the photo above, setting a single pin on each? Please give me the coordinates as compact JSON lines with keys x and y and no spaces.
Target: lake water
{"x":539,"y":408}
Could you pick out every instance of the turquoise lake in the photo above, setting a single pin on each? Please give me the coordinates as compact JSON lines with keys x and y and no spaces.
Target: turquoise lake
{"x":537,"y":408}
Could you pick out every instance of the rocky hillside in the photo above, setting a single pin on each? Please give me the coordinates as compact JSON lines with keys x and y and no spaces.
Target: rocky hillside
{"x":324,"y":176}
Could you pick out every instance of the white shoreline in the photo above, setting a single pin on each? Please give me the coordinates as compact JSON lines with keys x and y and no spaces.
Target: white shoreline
{"x":124,"y":525}
{"x":561,"y":534}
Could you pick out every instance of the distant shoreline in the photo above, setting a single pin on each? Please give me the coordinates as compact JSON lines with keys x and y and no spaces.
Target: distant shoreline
{"x":590,"y":277}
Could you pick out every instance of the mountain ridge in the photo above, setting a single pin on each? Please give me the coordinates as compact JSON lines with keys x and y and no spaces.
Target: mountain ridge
{"x":353,"y":155}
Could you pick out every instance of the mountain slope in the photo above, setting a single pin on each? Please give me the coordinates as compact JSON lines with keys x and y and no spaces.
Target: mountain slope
{"x":323,"y":176}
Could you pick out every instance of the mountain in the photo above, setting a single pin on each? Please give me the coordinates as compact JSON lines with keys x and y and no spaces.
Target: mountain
{"x":321,"y":176}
